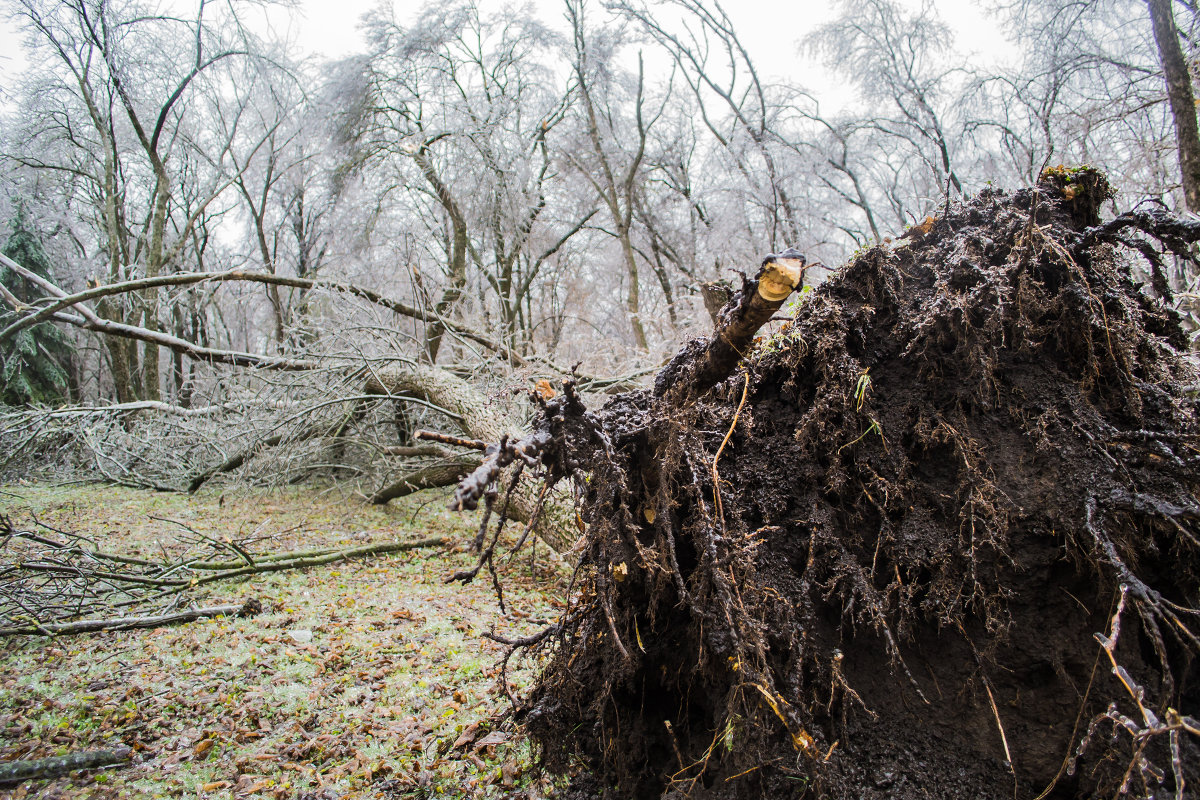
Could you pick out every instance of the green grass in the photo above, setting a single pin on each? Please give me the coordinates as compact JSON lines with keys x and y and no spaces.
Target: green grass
{"x":395,"y":671}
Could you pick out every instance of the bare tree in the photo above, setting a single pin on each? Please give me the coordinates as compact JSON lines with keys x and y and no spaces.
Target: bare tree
{"x":612,"y":169}
{"x":452,"y":91}
{"x":734,"y":103}
{"x":1181,"y":97}
{"x":114,"y":126}
{"x":892,"y":57}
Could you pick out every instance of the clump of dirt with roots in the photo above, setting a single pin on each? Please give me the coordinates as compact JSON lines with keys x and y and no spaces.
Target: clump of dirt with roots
{"x":938,"y":536}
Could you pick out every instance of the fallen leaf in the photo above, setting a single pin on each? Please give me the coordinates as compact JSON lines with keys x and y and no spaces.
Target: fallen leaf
{"x":509,"y":773}
{"x":491,"y":740}
{"x":467,"y":736}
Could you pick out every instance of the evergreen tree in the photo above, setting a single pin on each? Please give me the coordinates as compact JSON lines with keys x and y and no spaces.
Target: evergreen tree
{"x":34,"y":363}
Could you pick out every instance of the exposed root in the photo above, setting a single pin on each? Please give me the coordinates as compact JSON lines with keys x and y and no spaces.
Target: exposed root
{"x":839,"y":615}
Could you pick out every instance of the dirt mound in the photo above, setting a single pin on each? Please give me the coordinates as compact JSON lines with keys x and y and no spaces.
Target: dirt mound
{"x":939,"y":537}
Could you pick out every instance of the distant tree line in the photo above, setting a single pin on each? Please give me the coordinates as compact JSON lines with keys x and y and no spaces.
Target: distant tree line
{"x":490,"y":193}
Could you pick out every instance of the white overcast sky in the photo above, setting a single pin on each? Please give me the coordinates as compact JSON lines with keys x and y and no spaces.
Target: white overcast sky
{"x":770,"y":29}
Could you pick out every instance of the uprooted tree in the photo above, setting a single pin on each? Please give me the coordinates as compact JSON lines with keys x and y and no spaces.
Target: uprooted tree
{"x":286,"y":417}
{"x":937,"y":536}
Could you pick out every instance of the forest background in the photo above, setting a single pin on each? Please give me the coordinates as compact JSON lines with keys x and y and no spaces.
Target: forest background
{"x":228,"y":257}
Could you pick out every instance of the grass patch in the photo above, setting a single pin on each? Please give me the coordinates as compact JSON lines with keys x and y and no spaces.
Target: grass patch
{"x":357,"y":681}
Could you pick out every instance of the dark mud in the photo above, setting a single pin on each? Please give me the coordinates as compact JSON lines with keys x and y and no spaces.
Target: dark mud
{"x":970,"y":453}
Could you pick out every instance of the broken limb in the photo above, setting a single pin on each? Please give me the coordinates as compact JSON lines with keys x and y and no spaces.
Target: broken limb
{"x":431,"y":436}
{"x":317,"y":560}
{"x":46,"y":582}
{"x":246,"y":609}
{"x":57,"y":766}
{"x":292,"y":563}
{"x":433,"y":476}
{"x":703,"y":364}
{"x":688,"y":376}
{"x":413,"y":452}
{"x":65,"y":301}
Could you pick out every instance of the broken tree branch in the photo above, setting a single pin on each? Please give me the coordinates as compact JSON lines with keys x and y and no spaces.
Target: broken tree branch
{"x":46,"y":582}
{"x":431,"y":436}
{"x":57,"y":766}
{"x":316,"y":561}
{"x":246,"y":609}
{"x":431,"y":477}
{"x":704,"y":363}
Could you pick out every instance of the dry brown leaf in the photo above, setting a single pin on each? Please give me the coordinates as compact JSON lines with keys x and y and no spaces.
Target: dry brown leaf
{"x":491,"y":740}
{"x":467,"y":736}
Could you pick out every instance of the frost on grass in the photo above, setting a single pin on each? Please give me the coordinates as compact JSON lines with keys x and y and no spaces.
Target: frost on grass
{"x":393,"y":674}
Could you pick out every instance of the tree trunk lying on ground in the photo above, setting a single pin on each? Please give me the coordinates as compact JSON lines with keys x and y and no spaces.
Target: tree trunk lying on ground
{"x":480,"y":420}
{"x":430,"y":477}
{"x":939,"y":538}
{"x":475,"y":415}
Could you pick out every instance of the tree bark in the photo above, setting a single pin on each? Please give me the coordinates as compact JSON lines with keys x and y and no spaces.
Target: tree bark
{"x":431,"y":477}
{"x":482,"y":420}
{"x":1183,"y":102}
{"x":247,"y":609}
{"x":57,"y":766}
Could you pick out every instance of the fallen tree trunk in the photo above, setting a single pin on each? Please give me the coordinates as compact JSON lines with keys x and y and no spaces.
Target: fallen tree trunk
{"x":481,"y":420}
{"x":118,"y":453}
{"x":434,"y":476}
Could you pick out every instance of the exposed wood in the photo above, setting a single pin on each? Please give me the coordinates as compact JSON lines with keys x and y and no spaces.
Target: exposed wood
{"x":704,"y":363}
